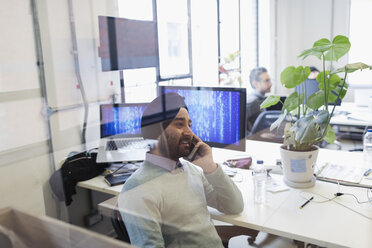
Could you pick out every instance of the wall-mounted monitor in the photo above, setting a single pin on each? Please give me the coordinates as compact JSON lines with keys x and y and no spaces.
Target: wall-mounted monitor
{"x":217,"y":114}
{"x":127,"y":44}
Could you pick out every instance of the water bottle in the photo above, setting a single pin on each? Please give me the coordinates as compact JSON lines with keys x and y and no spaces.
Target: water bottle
{"x":367,"y":148}
{"x":259,"y":184}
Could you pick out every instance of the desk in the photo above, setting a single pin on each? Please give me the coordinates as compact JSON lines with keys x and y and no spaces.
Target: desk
{"x":267,"y":135}
{"x":326,"y":224}
{"x":350,"y":112}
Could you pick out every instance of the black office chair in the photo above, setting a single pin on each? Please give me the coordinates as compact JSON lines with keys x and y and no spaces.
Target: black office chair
{"x":119,"y":226}
{"x":264,"y":120}
{"x":228,"y":232}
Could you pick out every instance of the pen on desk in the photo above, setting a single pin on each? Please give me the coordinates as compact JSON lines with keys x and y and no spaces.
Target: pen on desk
{"x":303,"y":205}
{"x":367,"y":172}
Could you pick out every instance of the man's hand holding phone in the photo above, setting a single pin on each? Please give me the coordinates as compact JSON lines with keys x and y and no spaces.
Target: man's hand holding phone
{"x":201,"y":155}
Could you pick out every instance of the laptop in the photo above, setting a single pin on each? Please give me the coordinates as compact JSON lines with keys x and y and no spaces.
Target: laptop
{"x":120,"y":133}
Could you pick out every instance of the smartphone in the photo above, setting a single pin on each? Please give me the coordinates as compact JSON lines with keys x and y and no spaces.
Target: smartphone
{"x":193,"y":152}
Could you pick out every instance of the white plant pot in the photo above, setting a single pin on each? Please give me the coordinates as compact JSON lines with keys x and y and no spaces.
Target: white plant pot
{"x":298,"y":167}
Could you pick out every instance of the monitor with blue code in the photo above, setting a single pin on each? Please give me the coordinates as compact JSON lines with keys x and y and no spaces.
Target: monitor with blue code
{"x":123,"y":120}
{"x":217,"y":114}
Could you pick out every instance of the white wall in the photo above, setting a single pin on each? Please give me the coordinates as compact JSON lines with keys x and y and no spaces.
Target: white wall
{"x":24,"y":126}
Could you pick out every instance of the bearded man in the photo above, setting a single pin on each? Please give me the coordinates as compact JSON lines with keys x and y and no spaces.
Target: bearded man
{"x":164,"y":203}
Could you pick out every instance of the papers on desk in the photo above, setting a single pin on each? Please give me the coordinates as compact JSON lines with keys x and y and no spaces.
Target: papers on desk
{"x":340,"y":173}
{"x":360,"y":116}
{"x":274,"y":186}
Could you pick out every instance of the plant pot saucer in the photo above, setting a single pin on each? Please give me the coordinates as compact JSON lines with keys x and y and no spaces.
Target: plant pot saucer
{"x":300,"y":185}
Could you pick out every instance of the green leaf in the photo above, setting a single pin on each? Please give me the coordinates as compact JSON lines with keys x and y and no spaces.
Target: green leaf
{"x":278,"y":121}
{"x":333,"y":51}
{"x":320,"y":78}
{"x":305,"y":129}
{"x":309,"y":52}
{"x":292,"y":102}
{"x":332,"y":97}
{"x":330,"y":79}
{"x":292,"y":76}
{"x":341,"y":45}
{"x":353,"y":67}
{"x":330,"y":136}
{"x":321,"y":117}
{"x":318,"y":48}
{"x":340,"y":91}
{"x":269,"y":101}
{"x":315,"y":100}
{"x":322,"y":45}
{"x":334,"y":79}
{"x":335,"y":92}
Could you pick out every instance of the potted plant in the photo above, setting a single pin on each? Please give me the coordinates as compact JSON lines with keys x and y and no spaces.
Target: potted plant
{"x":309,"y":119}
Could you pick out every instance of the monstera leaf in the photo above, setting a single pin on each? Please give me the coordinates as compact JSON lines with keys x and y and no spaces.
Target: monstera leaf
{"x":321,"y":118}
{"x":349,"y":68}
{"x":293,"y":101}
{"x":278,"y":121}
{"x":306,"y":130}
{"x":292,"y":76}
{"x":316,"y":100}
{"x":332,"y":51}
{"x":330,"y":136}
{"x":331,"y":80}
{"x":269,"y":101}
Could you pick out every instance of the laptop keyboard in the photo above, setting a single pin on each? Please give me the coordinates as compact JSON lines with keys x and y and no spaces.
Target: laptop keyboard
{"x":113,"y":145}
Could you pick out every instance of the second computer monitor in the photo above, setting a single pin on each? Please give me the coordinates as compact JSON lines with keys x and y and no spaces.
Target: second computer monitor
{"x":217,"y":114}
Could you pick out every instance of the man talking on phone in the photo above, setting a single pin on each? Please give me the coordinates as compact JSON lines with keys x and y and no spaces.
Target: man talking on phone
{"x":164,"y":203}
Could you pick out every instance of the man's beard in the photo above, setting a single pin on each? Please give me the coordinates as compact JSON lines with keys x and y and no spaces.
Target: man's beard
{"x":170,"y":147}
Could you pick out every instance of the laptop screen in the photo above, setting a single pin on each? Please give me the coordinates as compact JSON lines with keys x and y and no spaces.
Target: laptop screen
{"x":122,"y":119}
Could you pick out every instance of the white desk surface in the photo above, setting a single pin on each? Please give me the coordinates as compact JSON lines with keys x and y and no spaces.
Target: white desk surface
{"x":326,"y":224}
{"x":354,"y":111}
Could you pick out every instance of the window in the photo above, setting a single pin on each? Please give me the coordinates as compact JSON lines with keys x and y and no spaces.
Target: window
{"x":204,"y":42}
{"x":190,"y":54}
{"x":226,"y":28}
{"x":173,"y":38}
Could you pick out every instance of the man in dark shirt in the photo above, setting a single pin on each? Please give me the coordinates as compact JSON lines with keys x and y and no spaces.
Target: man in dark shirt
{"x":261,"y":84}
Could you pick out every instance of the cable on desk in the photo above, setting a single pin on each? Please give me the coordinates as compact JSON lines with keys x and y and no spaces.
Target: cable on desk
{"x":328,"y":199}
{"x":356,"y":198}
{"x":331,"y":199}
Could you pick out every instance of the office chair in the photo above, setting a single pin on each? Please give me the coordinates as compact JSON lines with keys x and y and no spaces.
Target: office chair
{"x":264,"y":120}
{"x":226,"y":232}
{"x":119,"y":226}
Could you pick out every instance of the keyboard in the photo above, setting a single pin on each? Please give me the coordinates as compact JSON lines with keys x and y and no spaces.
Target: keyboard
{"x":113,"y":145}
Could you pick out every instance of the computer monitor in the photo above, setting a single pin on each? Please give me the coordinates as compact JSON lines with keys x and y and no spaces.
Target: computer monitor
{"x":217,"y":114}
